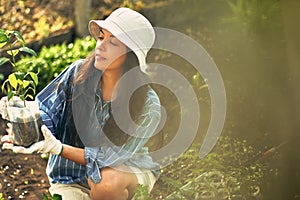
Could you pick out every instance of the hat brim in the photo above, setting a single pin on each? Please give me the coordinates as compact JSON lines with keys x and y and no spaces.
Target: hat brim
{"x":96,"y":25}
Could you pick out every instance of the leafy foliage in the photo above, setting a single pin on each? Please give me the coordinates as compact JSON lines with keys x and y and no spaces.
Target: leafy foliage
{"x":17,"y":84}
{"x":20,"y":84}
{"x":255,"y":14}
{"x":135,"y":5}
{"x":222,"y":174}
{"x":141,"y":192}
{"x":52,"y":197}
{"x":54,"y":59}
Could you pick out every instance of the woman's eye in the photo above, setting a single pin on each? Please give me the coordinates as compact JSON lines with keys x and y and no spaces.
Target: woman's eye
{"x":113,"y":42}
{"x":100,"y":37}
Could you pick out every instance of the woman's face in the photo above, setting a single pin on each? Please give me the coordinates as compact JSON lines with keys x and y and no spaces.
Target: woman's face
{"x":110,"y":53}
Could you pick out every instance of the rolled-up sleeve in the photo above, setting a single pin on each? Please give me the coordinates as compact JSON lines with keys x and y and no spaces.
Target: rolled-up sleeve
{"x":99,"y":157}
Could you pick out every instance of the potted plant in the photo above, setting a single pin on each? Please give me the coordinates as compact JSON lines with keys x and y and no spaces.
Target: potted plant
{"x":19,"y":88}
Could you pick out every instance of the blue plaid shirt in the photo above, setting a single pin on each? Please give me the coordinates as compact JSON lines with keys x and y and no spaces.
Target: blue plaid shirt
{"x":55,"y":110}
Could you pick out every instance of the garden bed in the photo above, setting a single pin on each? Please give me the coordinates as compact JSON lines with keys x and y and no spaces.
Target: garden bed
{"x":22,"y":176}
{"x":223,"y":174}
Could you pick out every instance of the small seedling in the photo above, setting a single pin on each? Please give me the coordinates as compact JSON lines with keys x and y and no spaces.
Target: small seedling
{"x":18,"y":84}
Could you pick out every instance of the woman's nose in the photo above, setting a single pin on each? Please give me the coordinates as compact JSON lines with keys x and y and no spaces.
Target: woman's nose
{"x":101,"y":44}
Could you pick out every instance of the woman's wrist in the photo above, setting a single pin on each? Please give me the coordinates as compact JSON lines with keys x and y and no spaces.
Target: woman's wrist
{"x":62,"y":148}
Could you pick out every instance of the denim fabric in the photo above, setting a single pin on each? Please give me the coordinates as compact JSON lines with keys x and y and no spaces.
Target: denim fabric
{"x":55,"y":105}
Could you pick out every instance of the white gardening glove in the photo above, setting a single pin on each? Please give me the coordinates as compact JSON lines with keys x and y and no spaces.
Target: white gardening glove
{"x":49,"y":145}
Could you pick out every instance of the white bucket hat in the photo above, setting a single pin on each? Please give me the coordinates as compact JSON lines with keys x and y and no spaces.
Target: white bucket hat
{"x":131,"y":28}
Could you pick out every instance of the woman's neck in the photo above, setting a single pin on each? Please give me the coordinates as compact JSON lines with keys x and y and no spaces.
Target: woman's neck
{"x":109,"y":81}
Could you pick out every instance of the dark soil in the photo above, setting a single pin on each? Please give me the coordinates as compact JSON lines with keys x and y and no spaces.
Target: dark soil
{"x":22,"y":176}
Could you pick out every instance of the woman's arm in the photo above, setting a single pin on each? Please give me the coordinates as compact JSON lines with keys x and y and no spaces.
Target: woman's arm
{"x":74,"y":154}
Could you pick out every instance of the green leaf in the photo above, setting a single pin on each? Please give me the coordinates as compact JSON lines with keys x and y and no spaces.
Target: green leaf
{"x":3,"y":86}
{"x":34,"y":77}
{"x":13,"y":81}
{"x":2,"y":44}
{"x":22,"y":97}
{"x":19,"y":37}
{"x":10,"y":95}
{"x":3,"y":37}
{"x":29,"y":96}
{"x":3,"y":61}
{"x":20,"y":82}
{"x":56,"y":197}
{"x":28,"y":89}
{"x":45,"y":197}
{"x":13,"y":52}
{"x":33,"y":88}
{"x":28,"y":50}
{"x":20,"y":75}
{"x":1,"y":196}
{"x":26,"y":83}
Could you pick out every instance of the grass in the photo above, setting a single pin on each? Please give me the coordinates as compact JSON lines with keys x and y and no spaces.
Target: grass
{"x":225,"y":173}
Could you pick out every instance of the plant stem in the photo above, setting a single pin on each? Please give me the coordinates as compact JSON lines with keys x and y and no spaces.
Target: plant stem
{"x":12,"y":55}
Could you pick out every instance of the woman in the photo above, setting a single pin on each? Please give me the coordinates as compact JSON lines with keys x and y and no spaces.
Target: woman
{"x":91,"y":156}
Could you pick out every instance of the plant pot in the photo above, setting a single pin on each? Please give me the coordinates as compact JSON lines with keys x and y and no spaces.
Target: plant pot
{"x":26,"y":121}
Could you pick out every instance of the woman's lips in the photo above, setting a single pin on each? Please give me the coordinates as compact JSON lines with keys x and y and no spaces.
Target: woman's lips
{"x":99,"y":57}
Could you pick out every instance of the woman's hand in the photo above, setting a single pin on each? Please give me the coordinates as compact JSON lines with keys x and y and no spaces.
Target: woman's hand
{"x":49,"y":145}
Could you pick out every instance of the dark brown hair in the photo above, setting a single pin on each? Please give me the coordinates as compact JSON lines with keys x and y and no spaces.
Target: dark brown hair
{"x":137,"y":100}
